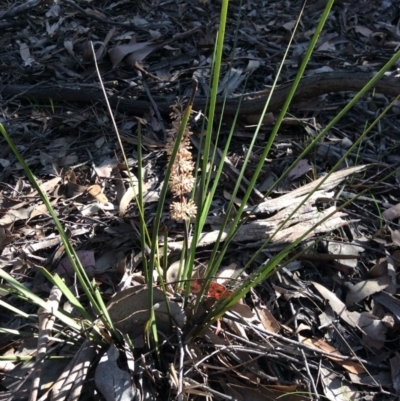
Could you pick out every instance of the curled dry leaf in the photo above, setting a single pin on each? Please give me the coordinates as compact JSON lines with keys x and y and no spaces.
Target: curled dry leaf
{"x":95,"y":191}
{"x":126,"y":200}
{"x":173,"y":271}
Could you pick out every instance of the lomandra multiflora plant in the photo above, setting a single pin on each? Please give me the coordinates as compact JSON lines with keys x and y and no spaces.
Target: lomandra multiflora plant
{"x":181,"y":180}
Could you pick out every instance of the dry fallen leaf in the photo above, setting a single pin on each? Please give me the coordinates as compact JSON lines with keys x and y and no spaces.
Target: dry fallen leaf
{"x":267,"y":319}
{"x":113,"y":382}
{"x":239,"y":391}
{"x":227,"y":273}
{"x":379,"y":269}
{"x":25,"y":53}
{"x":392,"y":213}
{"x":66,"y":271}
{"x":395,"y":234}
{"x":135,"y":52}
{"x":95,"y":191}
{"x":47,"y":186}
{"x":390,"y":302}
{"x":365,"y":288}
{"x":395,"y":370}
{"x":334,"y":387}
{"x":130,"y":194}
{"x":37,"y":211}
{"x":370,"y":327}
{"x":6,"y":237}
{"x":351,"y":366}
{"x":129,"y":311}
{"x":299,"y":169}
{"x":363,"y":30}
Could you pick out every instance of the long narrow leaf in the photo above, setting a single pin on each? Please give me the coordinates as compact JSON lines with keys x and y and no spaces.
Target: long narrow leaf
{"x":29,"y":295}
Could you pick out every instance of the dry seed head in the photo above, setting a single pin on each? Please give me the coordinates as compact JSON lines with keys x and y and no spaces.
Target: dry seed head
{"x":181,"y":181}
{"x":184,"y":210}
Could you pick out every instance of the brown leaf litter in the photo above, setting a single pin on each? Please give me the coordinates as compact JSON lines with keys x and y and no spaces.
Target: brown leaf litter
{"x":326,"y":324}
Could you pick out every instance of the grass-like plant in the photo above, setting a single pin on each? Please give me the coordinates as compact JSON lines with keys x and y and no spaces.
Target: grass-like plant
{"x":193,"y":187}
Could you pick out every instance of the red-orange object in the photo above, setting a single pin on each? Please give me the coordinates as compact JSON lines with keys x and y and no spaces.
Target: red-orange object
{"x":215,"y":290}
